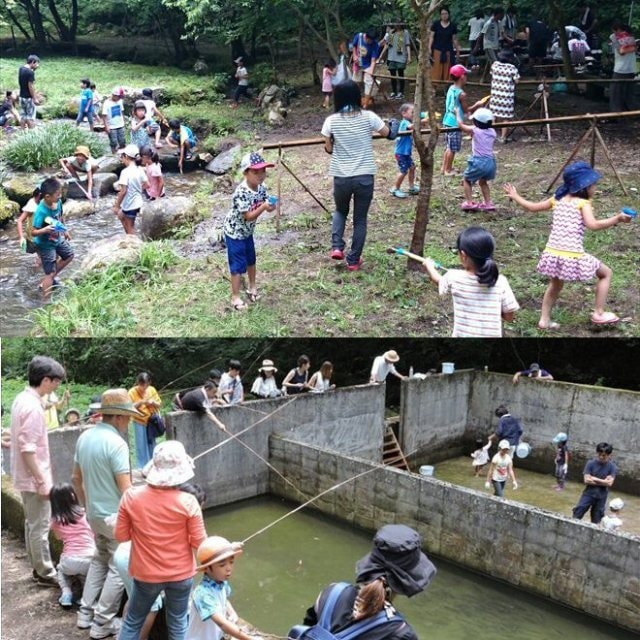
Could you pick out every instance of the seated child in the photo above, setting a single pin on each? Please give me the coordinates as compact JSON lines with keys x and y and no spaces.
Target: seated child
{"x":8,"y":112}
{"x":611,"y":521}
{"x":81,"y":162}
{"x":181,"y":137}
{"x":153,"y":128}
{"x":480,"y":458}
{"x":153,"y":169}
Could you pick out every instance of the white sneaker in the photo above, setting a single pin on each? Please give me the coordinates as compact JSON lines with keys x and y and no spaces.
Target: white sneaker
{"x":84,"y":620}
{"x":99,"y":631}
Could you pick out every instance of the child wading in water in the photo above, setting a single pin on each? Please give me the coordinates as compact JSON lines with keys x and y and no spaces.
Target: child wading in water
{"x":140,"y":120}
{"x":481,"y":166}
{"x":182,"y":137}
{"x":69,"y":524}
{"x":564,"y":257}
{"x":328,"y":73}
{"x":153,"y":169}
{"x":404,"y":146}
{"x":132,"y":181}
{"x":482,"y":297}
{"x":561,"y":459}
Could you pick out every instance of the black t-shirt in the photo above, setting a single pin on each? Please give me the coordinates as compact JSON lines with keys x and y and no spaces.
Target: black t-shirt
{"x":443,"y":36}
{"x":6,"y":107}
{"x":195,"y":400}
{"x":538,"y":32}
{"x":25,"y":76}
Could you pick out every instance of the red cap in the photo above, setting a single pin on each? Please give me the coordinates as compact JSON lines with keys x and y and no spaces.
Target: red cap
{"x":458,"y":70}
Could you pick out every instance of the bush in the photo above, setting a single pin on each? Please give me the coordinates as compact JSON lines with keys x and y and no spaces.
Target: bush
{"x":262,"y":75}
{"x":42,"y":147}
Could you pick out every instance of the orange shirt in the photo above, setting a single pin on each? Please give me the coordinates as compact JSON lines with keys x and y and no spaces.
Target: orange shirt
{"x":150,"y":393}
{"x":165,"y":527}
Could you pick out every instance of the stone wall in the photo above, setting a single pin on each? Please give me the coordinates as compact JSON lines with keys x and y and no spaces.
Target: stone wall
{"x":572,"y":562}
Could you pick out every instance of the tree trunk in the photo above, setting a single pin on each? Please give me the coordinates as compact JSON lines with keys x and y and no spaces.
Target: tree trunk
{"x":20,"y":28}
{"x":62,"y":29}
{"x":558,"y":17}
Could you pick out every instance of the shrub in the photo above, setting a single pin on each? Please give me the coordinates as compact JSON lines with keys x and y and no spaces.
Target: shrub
{"x":42,"y":147}
{"x":263,"y":74}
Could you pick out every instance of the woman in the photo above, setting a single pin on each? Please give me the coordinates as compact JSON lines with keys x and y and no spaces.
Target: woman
{"x":396,"y":565}
{"x":296,"y":381}
{"x":321,"y":379}
{"x":347,"y":135}
{"x":265,"y":386}
{"x":165,"y":526}
{"x":623,"y":44}
{"x":504,"y":77}
{"x":147,"y":401}
{"x":442,"y":42}
{"x":398,"y":42}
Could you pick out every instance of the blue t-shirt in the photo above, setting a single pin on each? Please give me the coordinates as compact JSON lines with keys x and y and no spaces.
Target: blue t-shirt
{"x":404,"y":144}
{"x":367,"y":50}
{"x":86,"y":100}
{"x":599,"y":470}
{"x":453,"y":106}
{"x":47,"y":240}
{"x":510,"y":429}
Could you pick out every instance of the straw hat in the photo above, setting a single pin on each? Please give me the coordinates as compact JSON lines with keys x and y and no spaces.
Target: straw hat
{"x":216,"y":549}
{"x":171,"y":466}
{"x":82,"y":149}
{"x":267,"y":365}
{"x":116,"y":402}
{"x":391,"y":356}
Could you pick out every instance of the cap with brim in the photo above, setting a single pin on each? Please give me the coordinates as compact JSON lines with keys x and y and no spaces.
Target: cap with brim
{"x":171,"y":466}
{"x":216,"y":549}
{"x":616,"y":504}
{"x":391,"y":356}
{"x":254,"y":161}
{"x":397,"y":556}
{"x":82,"y":149}
{"x":504,"y":444}
{"x":116,"y":402}
{"x":71,"y":410}
{"x":116,"y":91}
{"x":560,"y":437}
{"x":483,"y":115}
{"x":534,"y":366}
{"x":577,"y":176}
{"x":139,"y":104}
{"x":458,"y":70}
{"x":238,"y":60}
{"x":267,"y":365}
{"x":131,"y":151}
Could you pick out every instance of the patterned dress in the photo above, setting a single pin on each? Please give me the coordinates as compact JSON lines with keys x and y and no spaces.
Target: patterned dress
{"x":564,"y":256}
{"x":503,"y":89}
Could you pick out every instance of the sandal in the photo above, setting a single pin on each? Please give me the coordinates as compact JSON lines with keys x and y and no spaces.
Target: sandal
{"x":487,"y":206}
{"x":469,"y":205}
{"x":552,"y":326}
{"x":240,"y":306}
{"x":607,"y":317}
{"x":253,"y":296}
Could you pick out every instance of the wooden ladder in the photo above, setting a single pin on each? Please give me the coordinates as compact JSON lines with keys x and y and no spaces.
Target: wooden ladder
{"x":391,"y":452}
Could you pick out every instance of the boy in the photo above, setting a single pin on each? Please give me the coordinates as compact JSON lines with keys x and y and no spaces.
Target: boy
{"x":182,"y":137}
{"x":97,"y":102}
{"x":113,"y":112}
{"x":611,"y":522}
{"x":49,"y":235}
{"x":404,"y":145}
{"x":249,"y":202}
{"x":230,"y":390}
{"x":132,"y":180}
{"x":86,"y":103}
{"x":211,"y":614}
{"x":81,"y":161}
{"x":153,"y":113}
{"x":8,"y":111}
{"x":561,"y":459}
{"x":242,"y":76}
{"x":598,"y":475}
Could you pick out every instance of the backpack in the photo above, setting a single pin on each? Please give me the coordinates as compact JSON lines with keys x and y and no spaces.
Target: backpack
{"x":321,"y":630}
{"x":156,"y":426}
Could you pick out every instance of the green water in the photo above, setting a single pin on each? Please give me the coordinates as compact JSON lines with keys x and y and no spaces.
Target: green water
{"x":282,"y":571}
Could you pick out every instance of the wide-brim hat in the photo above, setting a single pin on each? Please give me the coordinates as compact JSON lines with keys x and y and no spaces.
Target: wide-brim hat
{"x":82,"y":149}
{"x":254,"y":161}
{"x":116,"y":402}
{"x":577,"y":176}
{"x":391,"y":356}
{"x":216,"y":549}
{"x":170,"y":466}
{"x":267,"y":365}
{"x":398,"y":557}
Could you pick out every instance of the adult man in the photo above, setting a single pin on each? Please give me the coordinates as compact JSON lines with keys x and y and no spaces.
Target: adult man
{"x":510,"y":26}
{"x":101,"y":474}
{"x":384,"y":365}
{"x":31,"y":465}
{"x":492,"y":34}
{"x":28,"y":96}
{"x":535,"y":372}
{"x":230,"y":389}
{"x":201,"y":400}
{"x":538,"y":36}
{"x":599,"y":475}
{"x":366,"y":52}
{"x":509,"y":428}
{"x":587,"y":22}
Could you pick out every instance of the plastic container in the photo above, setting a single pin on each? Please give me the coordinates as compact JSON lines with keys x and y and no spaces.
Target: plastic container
{"x":523,"y":450}
{"x":629,"y":211}
{"x":448,"y":367}
{"x":427,"y":470}
{"x":273,"y":200}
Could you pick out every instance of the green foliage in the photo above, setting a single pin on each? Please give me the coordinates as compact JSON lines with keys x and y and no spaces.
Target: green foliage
{"x":263,"y":74}
{"x":42,"y":147}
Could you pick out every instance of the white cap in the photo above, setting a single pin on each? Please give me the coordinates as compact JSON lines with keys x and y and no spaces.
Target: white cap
{"x":131,"y":150}
{"x":616,"y":504}
{"x":504,"y":444}
{"x":482,"y":115}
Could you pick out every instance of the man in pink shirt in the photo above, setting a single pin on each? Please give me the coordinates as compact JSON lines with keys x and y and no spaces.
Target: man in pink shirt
{"x":31,"y":466}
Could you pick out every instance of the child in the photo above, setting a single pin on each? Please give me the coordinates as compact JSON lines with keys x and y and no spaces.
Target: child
{"x":561,"y":460}
{"x":8,"y":111}
{"x":242,"y":76}
{"x":481,"y":165}
{"x":153,"y":113}
{"x":564,"y":257}
{"x":210,"y":614}
{"x":113,"y":112}
{"x":86,"y":103}
{"x":599,"y":475}
{"x":25,"y":235}
{"x":69,"y":524}
{"x":612,"y":522}
{"x":49,"y":235}
{"x":455,"y":105}
{"x":81,"y":161}
{"x":297,"y":380}
{"x":72,"y":417}
{"x":504,"y":77}
{"x":265,"y":386}
{"x":97,"y":102}
{"x":249,"y":202}
{"x":482,"y":297}
{"x":500,"y":469}
{"x":480,"y":458}
{"x":328,"y":73}
{"x":139,"y":124}
{"x":404,"y":145}
{"x":153,"y":169}
{"x":182,"y":137}
{"x":321,"y":379}
{"x":230,"y":389}
{"x":132,"y":181}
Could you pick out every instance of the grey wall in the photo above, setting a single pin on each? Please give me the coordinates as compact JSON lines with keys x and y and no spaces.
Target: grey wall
{"x":572,"y":562}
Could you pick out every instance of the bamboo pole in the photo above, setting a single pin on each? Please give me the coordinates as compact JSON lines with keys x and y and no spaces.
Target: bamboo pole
{"x":610,"y":159}
{"x":471,"y":83}
{"x":302,"y":184}
{"x":278,"y":189}
{"x":571,"y":157}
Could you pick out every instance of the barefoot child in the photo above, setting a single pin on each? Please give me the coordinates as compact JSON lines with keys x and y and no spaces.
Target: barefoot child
{"x":140,"y":120}
{"x":25,"y":235}
{"x":482,"y":297}
{"x":132,"y":181}
{"x":249,"y":202}
{"x":81,"y":162}
{"x":404,"y":146}
{"x":155,"y":116}
{"x":153,"y":169}
{"x":328,"y":73}
{"x":500,"y":469}
{"x":86,"y":103}
{"x":181,"y":137}
{"x":564,"y":257}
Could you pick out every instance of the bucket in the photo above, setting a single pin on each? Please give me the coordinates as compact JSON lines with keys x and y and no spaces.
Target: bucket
{"x":448,"y":367}
{"x":523,"y":450}
{"x":427,"y":470}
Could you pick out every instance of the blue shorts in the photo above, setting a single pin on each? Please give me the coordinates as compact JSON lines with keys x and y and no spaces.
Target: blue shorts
{"x":240,"y":254}
{"x":479,"y":167}
{"x":153,"y":126}
{"x":49,"y":256}
{"x":131,"y":213}
{"x":454,"y":140}
{"x":404,"y":163}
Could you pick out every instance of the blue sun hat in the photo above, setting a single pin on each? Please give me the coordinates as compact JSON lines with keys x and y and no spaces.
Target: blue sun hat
{"x":577,"y":176}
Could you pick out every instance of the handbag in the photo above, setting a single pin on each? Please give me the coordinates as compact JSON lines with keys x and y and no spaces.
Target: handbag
{"x":156,"y":426}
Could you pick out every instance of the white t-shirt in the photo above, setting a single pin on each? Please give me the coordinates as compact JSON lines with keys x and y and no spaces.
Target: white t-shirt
{"x":352,"y":144}
{"x":114,"y":112}
{"x":265,"y":387}
{"x":475,"y":28}
{"x":381,"y":369}
{"x":150,"y":106}
{"x":242,"y":74}
{"x":477,"y":309}
{"x":501,"y":470}
{"x":132,"y":177}
{"x":611,"y":522}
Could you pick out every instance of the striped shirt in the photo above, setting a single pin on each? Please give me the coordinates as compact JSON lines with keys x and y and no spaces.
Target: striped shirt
{"x":352,"y":145}
{"x":477,"y":308}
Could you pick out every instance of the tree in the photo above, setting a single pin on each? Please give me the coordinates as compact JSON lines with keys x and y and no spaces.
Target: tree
{"x":31,"y":16}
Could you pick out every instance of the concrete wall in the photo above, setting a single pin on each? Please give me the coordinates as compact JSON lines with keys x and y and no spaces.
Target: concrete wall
{"x":571,"y":562}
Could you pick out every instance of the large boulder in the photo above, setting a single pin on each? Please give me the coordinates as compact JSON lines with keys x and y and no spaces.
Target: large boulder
{"x":200,"y":68}
{"x":160,"y":218}
{"x":78,"y":209}
{"x":169,"y":160}
{"x":103,"y":184}
{"x":76,"y":189}
{"x":224,"y":162}
{"x":110,"y":164}
{"x":19,"y":188}
{"x":120,"y":249}
{"x":274,"y":100}
{"x":8,"y":210}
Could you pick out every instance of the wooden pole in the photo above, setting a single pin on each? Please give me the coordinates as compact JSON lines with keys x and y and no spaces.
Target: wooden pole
{"x":570,"y":158}
{"x":545,"y":106}
{"x":302,"y":184}
{"x":608,"y":155}
{"x":278,"y":190}
{"x":593,"y":144}
{"x":525,"y":82}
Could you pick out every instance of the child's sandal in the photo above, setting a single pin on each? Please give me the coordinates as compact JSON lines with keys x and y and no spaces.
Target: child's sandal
{"x":253,"y":296}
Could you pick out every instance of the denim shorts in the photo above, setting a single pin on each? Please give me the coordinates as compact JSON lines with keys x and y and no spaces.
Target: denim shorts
{"x":241,"y":253}
{"x":479,"y":167}
{"x":454,"y":140}
{"x":405,"y":163}
{"x":49,"y":256}
{"x":131,"y":213}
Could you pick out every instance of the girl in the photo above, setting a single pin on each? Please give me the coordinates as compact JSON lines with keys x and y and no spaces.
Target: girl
{"x":153,"y":169}
{"x":147,"y":401}
{"x":297,"y":380}
{"x":132,"y":181}
{"x":69,"y":524}
{"x":504,"y":77}
{"x":321,"y":380}
{"x":265,"y":385}
{"x":328,"y":72}
{"x":139,"y":124}
{"x":500,"y":469}
{"x":27,"y":245}
{"x":482,"y":297}
{"x":561,"y":459}
{"x":564,"y":257}
{"x":480,"y":458}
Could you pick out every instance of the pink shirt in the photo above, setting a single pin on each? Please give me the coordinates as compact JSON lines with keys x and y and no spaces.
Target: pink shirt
{"x":165,"y":527}
{"x":326,"y":80}
{"x":77,"y":539}
{"x":154,"y":178}
{"x":29,"y":434}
